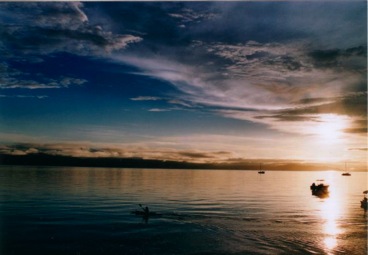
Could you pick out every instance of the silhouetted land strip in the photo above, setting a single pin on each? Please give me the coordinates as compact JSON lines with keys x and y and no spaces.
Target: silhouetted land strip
{"x":41,"y":159}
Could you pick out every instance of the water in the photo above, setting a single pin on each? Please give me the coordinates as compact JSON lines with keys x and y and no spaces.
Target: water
{"x":64,"y":210}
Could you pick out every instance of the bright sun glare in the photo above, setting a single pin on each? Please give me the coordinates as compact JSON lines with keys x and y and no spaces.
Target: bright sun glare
{"x":330,"y":127}
{"x":328,"y":137}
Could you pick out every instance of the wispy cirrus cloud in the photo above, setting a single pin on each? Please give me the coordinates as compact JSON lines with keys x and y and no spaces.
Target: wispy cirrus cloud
{"x":267,"y":83}
{"x":146,"y":98}
{"x":283,"y":80}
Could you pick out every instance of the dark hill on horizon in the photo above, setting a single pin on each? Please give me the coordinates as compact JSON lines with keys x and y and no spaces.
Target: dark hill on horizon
{"x":41,"y":159}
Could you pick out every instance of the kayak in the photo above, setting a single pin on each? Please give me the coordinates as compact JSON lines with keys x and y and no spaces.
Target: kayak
{"x":144,"y":214}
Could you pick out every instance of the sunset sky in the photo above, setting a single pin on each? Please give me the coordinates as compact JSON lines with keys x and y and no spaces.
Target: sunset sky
{"x":193,"y":81}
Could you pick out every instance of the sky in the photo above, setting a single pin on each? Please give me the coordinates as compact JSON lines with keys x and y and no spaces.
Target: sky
{"x":188,"y":81}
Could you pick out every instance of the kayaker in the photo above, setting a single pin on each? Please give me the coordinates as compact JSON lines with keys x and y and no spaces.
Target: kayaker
{"x":146,"y":211}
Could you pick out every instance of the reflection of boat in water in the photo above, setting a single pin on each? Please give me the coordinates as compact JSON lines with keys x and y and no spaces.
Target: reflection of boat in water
{"x":320,"y":189}
{"x":346,"y":173}
{"x":260,"y":169}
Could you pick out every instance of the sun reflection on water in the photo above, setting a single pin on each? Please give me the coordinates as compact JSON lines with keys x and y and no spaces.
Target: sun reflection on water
{"x":331,"y":212}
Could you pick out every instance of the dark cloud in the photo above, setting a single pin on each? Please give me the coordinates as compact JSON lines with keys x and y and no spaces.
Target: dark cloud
{"x":204,"y":155}
{"x":287,"y":117}
{"x":351,"y":58}
{"x":88,"y":150}
{"x":43,"y":28}
{"x":31,"y":31}
{"x":358,"y":149}
{"x":11,"y":78}
{"x":356,"y":130}
{"x":314,"y":100}
{"x":353,"y":106}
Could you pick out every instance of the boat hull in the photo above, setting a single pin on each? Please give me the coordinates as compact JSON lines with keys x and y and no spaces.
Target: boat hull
{"x":320,"y":190}
{"x":364,"y":204}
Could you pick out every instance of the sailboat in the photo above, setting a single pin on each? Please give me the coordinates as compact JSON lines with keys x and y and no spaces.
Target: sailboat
{"x":260,"y":169}
{"x":345,"y":173}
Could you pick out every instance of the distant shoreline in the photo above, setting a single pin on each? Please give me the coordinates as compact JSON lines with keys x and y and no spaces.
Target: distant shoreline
{"x":41,"y":159}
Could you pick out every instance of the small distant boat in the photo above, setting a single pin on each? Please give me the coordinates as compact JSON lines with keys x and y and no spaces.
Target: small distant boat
{"x":320,"y":189}
{"x":260,"y":169}
{"x":346,"y":173}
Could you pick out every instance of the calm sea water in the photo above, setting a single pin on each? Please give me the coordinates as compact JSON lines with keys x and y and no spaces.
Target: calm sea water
{"x":64,"y":210}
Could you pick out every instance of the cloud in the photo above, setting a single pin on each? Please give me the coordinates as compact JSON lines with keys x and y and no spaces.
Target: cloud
{"x":358,"y":149}
{"x":44,"y":28}
{"x":264,"y":83}
{"x":282,"y":68}
{"x":93,"y":151}
{"x":24,"y":96}
{"x":159,"y":110}
{"x":186,"y":16}
{"x":11,"y":78}
{"x":31,"y":31}
{"x":285,"y":74}
{"x":168,"y":100}
{"x":146,"y":98}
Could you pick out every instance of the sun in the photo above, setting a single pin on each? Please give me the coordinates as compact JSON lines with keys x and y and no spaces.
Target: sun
{"x":327,"y":140}
{"x":329,"y":127}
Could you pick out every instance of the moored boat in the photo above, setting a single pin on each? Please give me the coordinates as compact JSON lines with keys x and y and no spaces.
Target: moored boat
{"x":346,"y":173}
{"x":260,"y":169}
{"x":320,"y":189}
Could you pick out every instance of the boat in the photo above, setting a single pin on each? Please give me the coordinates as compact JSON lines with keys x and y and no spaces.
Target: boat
{"x":144,"y":214}
{"x":346,"y":173}
{"x":320,"y":189}
{"x":364,"y":202}
{"x":260,"y":169}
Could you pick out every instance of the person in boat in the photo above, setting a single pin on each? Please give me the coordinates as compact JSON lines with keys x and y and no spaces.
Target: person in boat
{"x":313,"y":186}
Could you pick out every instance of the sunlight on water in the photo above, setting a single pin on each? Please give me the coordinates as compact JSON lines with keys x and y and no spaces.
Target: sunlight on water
{"x":331,"y":212}
{"x":330,"y":242}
